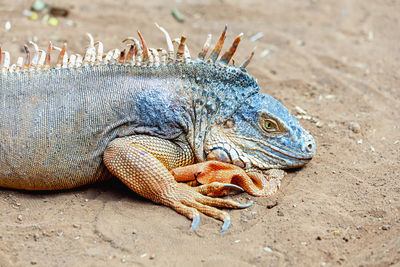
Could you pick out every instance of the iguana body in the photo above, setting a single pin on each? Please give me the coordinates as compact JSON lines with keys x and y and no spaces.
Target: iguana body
{"x":140,"y":117}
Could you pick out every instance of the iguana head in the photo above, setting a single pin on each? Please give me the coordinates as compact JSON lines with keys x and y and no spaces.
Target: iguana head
{"x":260,"y":135}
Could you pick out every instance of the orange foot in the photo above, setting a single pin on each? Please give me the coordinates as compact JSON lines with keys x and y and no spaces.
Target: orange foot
{"x":217,"y":178}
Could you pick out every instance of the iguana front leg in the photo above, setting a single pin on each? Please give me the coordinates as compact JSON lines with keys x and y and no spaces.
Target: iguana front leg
{"x":210,"y":172}
{"x":142,"y":163}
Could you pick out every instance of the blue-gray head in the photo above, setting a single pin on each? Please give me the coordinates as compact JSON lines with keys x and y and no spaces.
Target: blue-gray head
{"x":261,"y":135}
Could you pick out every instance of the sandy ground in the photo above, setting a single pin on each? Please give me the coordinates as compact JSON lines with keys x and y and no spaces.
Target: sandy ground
{"x":338,"y":60}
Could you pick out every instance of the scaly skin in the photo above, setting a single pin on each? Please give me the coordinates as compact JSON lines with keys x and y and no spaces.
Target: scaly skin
{"x":150,"y":123}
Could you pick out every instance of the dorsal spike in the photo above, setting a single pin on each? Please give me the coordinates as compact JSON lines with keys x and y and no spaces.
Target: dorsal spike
{"x":35,"y":58}
{"x":72,"y":60}
{"x":129,"y":56}
{"x":47,"y":59}
{"x":60,"y":59}
{"x":65,"y":60}
{"x":100,"y":49}
{"x":229,"y":54}
{"x":28,"y":57}
{"x":42,"y":57}
{"x":163,"y":57}
{"x":122,"y":56}
{"x":20,"y":62}
{"x":108,"y":56}
{"x":156,"y":57}
{"x":79,"y":60}
{"x":244,"y":65}
{"x":6,"y":62}
{"x":170,"y":47}
{"x":205,"y":48}
{"x":136,"y":47}
{"x":91,"y":40}
{"x":145,"y":50}
{"x":90,"y":55}
{"x":181,"y":49}
{"x":217,"y":49}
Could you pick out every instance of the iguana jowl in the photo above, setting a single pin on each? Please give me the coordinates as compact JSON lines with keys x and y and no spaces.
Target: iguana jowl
{"x":150,"y":118}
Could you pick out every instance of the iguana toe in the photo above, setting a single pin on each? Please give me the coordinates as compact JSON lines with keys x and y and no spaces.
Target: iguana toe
{"x":217,"y":189}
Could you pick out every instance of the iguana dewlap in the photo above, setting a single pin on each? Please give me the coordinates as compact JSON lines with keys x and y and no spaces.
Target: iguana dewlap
{"x":150,"y":118}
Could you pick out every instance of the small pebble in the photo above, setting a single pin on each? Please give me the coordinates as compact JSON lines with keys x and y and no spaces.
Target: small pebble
{"x":264,"y":53}
{"x":330,"y":96}
{"x":360,"y":141}
{"x":267,"y":249}
{"x":372,"y":148}
{"x":26,"y":12}
{"x":33,"y":16}
{"x":300,"y":110}
{"x":371,"y":36}
{"x":38,"y":5}
{"x":134,"y":231}
{"x":19,"y":217}
{"x":33,"y":262}
{"x":300,"y":43}
{"x":152,"y":256}
{"x":36,"y":237}
{"x":45,"y":19}
{"x":7,"y":26}
{"x":143,"y":255}
{"x":355,"y":127}
{"x":304,"y":243}
{"x":59,"y":12}
{"x":385,"y":227}
{"x":70,"y":22}
{"x":256,"y":36}
{"x":280,"y":213}
{"x":76,"y":225}
{"x":237,"y":241}
{"x":53,"y":21}
{"x":177,"y":15}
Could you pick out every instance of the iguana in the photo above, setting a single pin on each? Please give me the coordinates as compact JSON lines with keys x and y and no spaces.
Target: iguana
{"x":149,"y":117}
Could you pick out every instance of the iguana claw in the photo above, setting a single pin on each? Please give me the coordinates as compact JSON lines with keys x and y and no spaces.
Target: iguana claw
{"x":226,"y":225}
{"x":246,"y":205}
{"x":195,"y":222}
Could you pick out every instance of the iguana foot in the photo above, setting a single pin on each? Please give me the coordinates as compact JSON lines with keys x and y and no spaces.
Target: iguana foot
{"x":189,"y":202}
{"x":146,"y":175}
{"x":208,"y":172}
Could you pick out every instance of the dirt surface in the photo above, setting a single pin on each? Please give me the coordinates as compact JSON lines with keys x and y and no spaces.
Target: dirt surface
{"x":338,"y":60}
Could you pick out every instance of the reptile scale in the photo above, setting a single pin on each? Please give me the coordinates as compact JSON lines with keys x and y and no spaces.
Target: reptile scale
{"x":177,"y":131}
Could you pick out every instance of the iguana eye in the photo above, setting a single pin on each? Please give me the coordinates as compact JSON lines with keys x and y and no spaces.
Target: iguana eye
{"x":270,"y":126}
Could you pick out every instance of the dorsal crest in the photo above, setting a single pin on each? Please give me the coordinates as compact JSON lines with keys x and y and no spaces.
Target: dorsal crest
{"x":137,"y":54}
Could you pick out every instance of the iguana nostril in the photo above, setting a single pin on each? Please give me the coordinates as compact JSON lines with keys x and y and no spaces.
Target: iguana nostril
{"x":309,"y":147}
